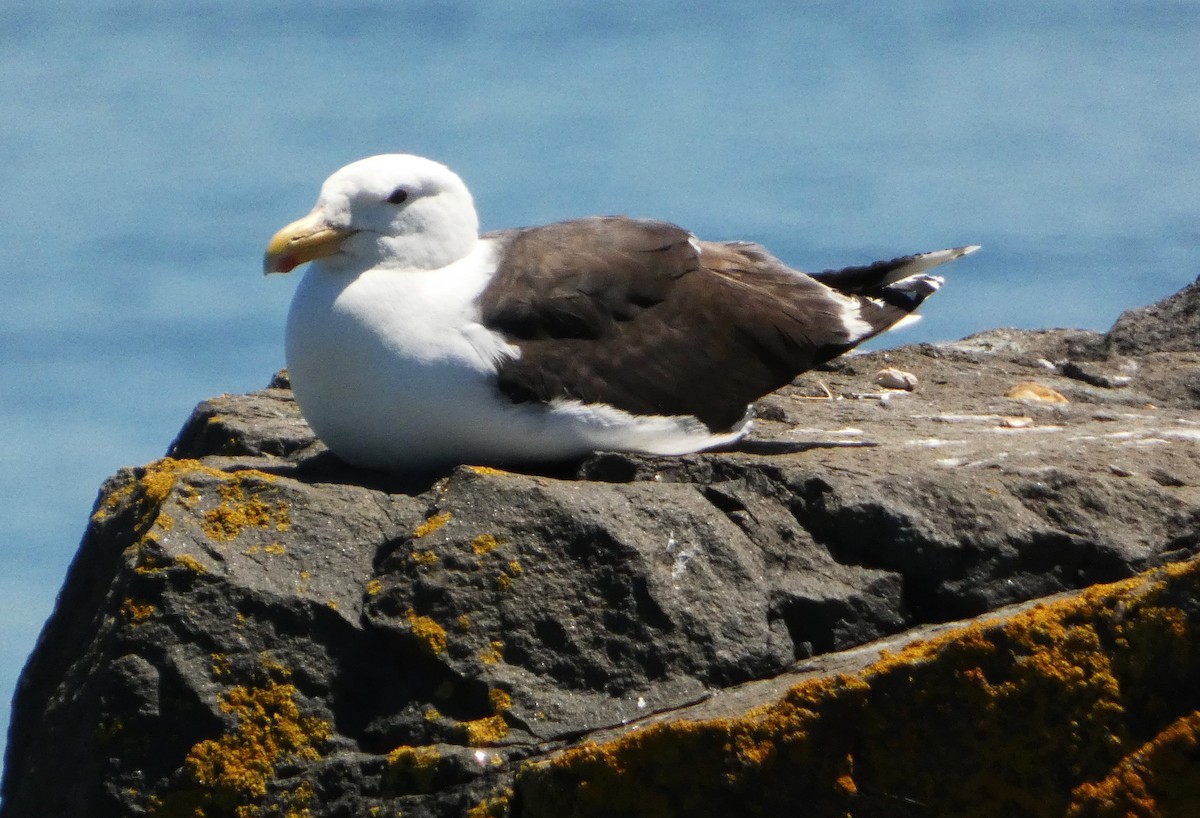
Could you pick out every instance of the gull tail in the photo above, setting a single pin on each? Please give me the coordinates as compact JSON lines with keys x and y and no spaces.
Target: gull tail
{"x":872,"y":279}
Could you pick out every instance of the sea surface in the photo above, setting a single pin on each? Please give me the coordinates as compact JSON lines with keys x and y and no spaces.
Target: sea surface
{"x":149,"y":149}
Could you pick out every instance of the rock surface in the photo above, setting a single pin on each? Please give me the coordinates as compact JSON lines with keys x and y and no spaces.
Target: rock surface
{"x":251,"y":628}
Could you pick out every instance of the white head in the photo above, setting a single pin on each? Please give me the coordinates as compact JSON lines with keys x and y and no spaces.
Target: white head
{"x":394,"y":210}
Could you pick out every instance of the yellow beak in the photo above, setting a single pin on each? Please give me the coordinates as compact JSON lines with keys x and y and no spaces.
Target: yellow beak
{"x":301,"y":241}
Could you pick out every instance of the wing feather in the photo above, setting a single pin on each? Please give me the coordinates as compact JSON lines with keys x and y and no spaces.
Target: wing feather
{"x":641,"y":316}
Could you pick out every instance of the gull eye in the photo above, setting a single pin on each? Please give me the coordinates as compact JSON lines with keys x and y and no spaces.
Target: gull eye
{"x":399,"y":196}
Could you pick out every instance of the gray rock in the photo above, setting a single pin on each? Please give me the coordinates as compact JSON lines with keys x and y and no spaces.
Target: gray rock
{"x":252,"y":623}
{"x":1171,"y":325}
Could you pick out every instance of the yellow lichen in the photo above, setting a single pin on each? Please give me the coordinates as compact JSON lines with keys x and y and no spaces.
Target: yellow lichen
{"x":374,"y":586}
{"x":148,"y":560}
{"x":136,"y":612}
{"x":423,"y":558}
{"x":1158,"y":778}
{"x":504,"y":580}
{"x":430,"y":635}
{"x":191,"y":563}
{"x":144,"y":491}
{"x":487,"y":730}
{"x":275,"y":549}
{"x":410,"y":770}
{"x":432,"y":524}
{"x":432,"y":714}
{"x":501,"y":700}
{"x":1008,"y":716}
{"x":238,"y":512}
{"x":494,"y":806}
{"x":485,"y":471}
{"x":148,"y":488}
{"x":464,"y":623}
{"x":485,"y":543}
{"x":493,"y":653}
{"x":231,"y":774}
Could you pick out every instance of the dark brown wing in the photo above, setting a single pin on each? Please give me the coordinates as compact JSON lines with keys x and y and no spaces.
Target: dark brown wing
{"x":641,"y":316}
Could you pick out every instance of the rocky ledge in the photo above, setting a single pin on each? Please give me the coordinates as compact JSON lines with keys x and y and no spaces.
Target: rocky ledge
{"x":977,"y":596}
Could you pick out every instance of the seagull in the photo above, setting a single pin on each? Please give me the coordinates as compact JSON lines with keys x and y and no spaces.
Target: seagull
{"x":413,"y":342}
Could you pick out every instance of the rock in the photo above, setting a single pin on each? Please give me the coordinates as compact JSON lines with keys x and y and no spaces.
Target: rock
{"x":1090,"y":375}
{"x":252,"y":628}
{"x":1171,"y":325}
{"x":956,"y":723}
{"x":1031,"y":390}
{"x":892,"y":378}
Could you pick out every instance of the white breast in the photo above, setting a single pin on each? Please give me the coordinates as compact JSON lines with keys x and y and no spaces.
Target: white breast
{"x":390,"y":366}
{"x":393,"y":370}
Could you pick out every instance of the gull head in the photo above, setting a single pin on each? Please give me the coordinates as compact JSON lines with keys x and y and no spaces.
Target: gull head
{"x":394,"y":210}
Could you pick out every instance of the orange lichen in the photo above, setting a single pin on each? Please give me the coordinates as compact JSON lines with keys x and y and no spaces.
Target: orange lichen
{"x":429,"y":634}
{"x":1002,"y":717}
{"x":191,"y":563}
{"x":410,"y":770}
{"x":487,"y":730}
{"x":485,"y":543}
{"x":423,"y":558}
{"x":493,"y":653}
{"x":136,"y":612}
{"x":432,"y":524}
{"x":238,"y":512}
{"x":1161,"y":777}
{"x":501,"y":700}
{"x":486,"y":471}
{"x":143,"y":491}
{"x":504,"y":580}
{"x":231,"y":774}
{"x":494,"y":806}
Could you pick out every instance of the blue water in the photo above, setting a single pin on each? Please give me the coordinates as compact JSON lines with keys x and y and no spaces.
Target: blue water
{"x":147,"y":152}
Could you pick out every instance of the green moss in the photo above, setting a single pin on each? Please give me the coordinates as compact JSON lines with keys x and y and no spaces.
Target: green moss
{"x":1021,"y":716}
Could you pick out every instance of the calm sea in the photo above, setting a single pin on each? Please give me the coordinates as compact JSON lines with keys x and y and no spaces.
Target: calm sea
{"x":149,"y":149}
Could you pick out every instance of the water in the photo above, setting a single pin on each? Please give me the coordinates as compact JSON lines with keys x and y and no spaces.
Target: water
{"x":150,"y":150}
